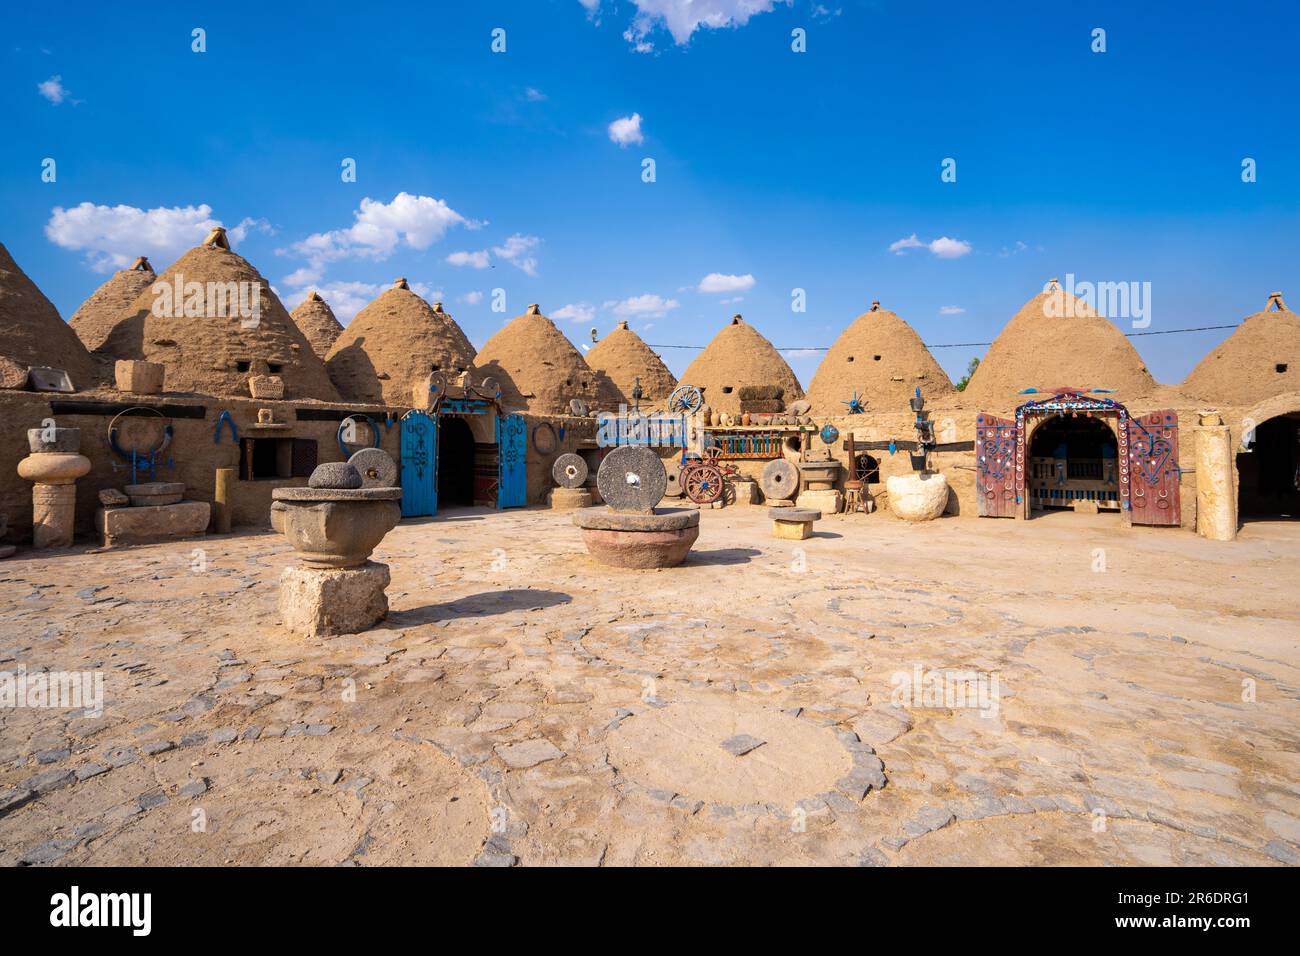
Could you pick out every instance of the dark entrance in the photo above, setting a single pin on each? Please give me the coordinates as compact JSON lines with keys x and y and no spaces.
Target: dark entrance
{"x":1073,"y":463}
{"x":1268,"y":473}
{"x":455,"y":462}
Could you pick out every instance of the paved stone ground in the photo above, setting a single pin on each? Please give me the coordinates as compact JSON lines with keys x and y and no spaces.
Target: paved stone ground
{"x":523,"y":704}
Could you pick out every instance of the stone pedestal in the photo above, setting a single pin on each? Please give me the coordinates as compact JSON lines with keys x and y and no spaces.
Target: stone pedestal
{"x":917,"y":497}
{"x":53,"y":467}
{"x":567,"y":499}
{"x":826,"y":500}
{"x":317,"y":602}
{"x":794,"y":524}
{"x":151,"y":494}
{"x":658,"y":540}
{"x":747,"y":492}
{"x":1216,"y":492}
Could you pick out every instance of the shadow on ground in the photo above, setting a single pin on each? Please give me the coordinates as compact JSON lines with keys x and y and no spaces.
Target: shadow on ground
{"x":482,"y":604}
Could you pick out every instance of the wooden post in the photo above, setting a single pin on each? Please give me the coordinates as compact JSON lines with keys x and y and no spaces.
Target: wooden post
{"x":222,"y":507}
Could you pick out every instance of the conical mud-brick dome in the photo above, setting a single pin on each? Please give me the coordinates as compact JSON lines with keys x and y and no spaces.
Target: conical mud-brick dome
{"x":739,"y":356}
{"x":1057,"y":340}
{"x":111,"y":303}
{"x":198,"y":320}
{"x":1260,"y":359}
{"x":316,"y":320}
{"x":540,"y":371}
{"x":881,"y":360}
{"x":394,"y":344}
{"x":33,"y":333}
{"x":622,"y":357}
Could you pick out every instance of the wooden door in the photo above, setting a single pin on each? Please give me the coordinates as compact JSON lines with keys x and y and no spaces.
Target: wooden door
{"x":419,"y":465}
{"x":1153,"y":469}
{"x":995,"y":466}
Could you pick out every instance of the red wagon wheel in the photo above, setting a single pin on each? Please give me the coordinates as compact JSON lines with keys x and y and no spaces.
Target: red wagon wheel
{"x":703,"y":484}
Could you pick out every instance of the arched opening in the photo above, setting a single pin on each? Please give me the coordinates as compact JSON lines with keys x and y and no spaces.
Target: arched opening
{"x":1268,"y":472}
{"x":455,"y":462}
{"x":1073,"y":464}
{"x":866,"y":469}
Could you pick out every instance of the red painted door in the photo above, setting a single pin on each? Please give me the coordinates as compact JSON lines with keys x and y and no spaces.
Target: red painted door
{"x":995,"y":466}
{"x":1153,"y":468}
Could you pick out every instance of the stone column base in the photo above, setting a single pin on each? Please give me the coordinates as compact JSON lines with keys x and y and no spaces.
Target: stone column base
{"x":321,"y":601}
{"x":54,"y":512}
{"x":566,"y":499}
{"x":826,"y":501}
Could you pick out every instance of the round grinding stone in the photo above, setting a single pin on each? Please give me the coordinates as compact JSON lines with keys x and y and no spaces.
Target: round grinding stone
{"x":569,"y":471}
{"x":378,"y":470}
{"x":780,"y":479}
{"x":632,"y":478}
{"x":334,"y":475}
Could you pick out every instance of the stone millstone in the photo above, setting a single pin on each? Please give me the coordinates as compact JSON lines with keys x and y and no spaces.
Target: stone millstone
{"x":569,"y":471}
{"x":794,"y":514}
{"x":632,"y":479}
{"x":377,"y":468}
{"x":780,"y":479}
{"x":673,"y":474}
{"x":153,"y":494}
{"x":669,"y":519}
{"x":335,"y":474}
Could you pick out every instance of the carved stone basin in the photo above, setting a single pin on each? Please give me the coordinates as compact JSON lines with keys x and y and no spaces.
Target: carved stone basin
{"x":335,"y":527}
{"x":820,"y":475}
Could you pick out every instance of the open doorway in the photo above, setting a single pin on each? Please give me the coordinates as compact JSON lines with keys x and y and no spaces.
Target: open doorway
{"x":1267,"y":473}
{"x":455,"y":463}
{"x":1073,"y":464}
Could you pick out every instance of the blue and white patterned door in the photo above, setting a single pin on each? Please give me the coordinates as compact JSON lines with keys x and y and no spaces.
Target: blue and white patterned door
{"x":419,"y":465}
{"x":512,"y":486}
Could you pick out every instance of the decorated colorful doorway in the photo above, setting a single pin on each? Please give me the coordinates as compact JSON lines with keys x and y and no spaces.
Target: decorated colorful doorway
{"x":1147,"y":461}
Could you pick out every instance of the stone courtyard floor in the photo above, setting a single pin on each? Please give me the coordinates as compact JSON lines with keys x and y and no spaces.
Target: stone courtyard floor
{"x":523,"y":704}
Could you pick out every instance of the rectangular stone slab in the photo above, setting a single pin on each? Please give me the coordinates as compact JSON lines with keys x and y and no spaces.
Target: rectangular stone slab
{"x":123,"y":526}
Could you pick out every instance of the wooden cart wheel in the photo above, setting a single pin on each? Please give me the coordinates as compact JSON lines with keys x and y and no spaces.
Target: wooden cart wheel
{"x":703,"y":484}
{"x":685,"y":399}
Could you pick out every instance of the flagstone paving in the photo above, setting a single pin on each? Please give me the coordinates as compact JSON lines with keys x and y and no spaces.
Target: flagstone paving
{"x":524,"y":705}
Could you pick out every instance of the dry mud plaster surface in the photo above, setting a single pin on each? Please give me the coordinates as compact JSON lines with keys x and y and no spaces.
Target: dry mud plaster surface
{"x":526,"y":705}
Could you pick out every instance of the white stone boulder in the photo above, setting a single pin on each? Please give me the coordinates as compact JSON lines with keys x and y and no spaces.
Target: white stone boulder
{"x":917,"y":497}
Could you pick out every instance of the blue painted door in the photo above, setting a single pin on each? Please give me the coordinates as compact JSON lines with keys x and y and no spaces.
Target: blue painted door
{"x":419,"y":465}
{"x":512,"y":485}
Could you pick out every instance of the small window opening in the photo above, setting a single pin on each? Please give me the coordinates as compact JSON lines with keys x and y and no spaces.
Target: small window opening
{"x":726,"y":390}
{"x":850,"y":358}
{"x":1281,"y":367}
{"x":274,"y":367}
{"x":243,"y":366}
{"x":875,"y":358}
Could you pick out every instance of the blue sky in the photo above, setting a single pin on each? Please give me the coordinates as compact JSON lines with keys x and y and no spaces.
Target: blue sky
{"x":775,"y":170}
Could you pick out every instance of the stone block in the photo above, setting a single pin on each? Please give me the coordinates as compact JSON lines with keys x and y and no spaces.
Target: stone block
{"x":747,"y":492}
{"x":326,"y":601}
{"x":266,"y":386}
{"x":828,"y":501}
{"x":567,"y":499}
{"x":139,"y":378}
{"x":112,"y":498}
{"x":792,"y":530}
{"x":917,"y":497}
{"x":124,"y":526}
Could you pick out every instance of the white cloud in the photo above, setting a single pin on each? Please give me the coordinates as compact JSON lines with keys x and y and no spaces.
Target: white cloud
{"x":626,"y":130}
{"x":240,"y":231}
{"x":899,"y":246}
{"x":951,"y":310}
{"x":533,"y":95}
{"x":682,"y":18}
{"x":716,"y":282}
{"x":1014,"y":250}
{"x":576,"y":312}
{"x":479,"y":260}
{"x":53,"y":89}
{"x":112,"y":236}
{"x":945,"y":248}
{"x":647,"y":306}
{"x":472,"y":298}
{"x":941,"y":248}
{"x":346,"y":299}
{"x":518,"y":251}
{"x":414,"y":221}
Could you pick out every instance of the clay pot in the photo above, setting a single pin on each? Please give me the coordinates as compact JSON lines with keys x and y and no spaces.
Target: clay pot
{"x":335,"y":527}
